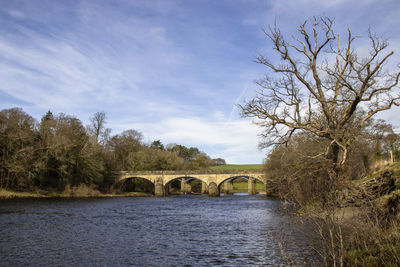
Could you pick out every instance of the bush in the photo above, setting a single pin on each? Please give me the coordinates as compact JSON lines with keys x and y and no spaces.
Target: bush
{"x":81,"y":190}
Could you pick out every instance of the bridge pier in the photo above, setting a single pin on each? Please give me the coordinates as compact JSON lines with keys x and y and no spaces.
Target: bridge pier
{"x":183,"y":186}
{"x":186,"y":188}
{"x":228,"y":188}
{"x":213,"y":190}
{"x":251,"y":186}
{"x":167,"y":189}
{"x":204,"y":189}
{"x":159,"y":187}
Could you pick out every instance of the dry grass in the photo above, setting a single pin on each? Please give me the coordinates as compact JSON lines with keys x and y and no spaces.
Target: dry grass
{"x":5,"y":194}
{"x":360,"y":235}
{"x":80,"y":191}
{"x":379,"y":165}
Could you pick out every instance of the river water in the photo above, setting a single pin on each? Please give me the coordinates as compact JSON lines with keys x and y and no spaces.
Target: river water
{"x":191,"y":230}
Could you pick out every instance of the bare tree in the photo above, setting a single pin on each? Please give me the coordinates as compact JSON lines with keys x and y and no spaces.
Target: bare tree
{"x":97,"y":126}
{"x":322,"y":86}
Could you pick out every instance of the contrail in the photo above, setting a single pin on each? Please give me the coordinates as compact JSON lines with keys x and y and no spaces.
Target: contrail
{"x":238,"y":99}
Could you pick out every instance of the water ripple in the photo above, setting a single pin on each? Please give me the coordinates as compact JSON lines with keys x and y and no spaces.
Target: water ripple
{"x":172,"y":231}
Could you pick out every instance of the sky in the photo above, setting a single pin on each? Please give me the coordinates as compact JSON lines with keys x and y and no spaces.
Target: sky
{"x":171,"y":69}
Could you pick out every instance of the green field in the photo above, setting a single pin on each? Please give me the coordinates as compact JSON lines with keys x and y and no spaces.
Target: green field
{"x":237,"y":167}
{"x":242,"y":187}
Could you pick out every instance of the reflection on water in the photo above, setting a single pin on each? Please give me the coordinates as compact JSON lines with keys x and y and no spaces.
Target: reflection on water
{"x":186,"y":230}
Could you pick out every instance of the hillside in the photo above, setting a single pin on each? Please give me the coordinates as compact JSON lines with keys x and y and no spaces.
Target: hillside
{"x":237,"y":167}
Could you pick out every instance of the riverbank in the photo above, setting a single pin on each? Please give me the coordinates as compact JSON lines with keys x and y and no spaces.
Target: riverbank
{"x":9,"y":194}
{"x":360,"y":225}
{"x":84,"y":192}
{"x":376,"y":199}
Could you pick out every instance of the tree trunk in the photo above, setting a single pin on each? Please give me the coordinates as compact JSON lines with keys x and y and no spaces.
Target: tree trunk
{"x":334,"y":155}
{"x":391,"y":156}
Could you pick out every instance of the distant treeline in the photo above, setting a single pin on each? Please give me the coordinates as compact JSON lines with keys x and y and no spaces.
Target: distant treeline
{"x":60,"y":151}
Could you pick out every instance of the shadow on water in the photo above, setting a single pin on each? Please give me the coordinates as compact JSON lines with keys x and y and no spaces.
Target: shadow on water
{"x":186,"y":230}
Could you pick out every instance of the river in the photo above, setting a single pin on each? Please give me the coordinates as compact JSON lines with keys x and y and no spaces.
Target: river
{"x":187,"y":230}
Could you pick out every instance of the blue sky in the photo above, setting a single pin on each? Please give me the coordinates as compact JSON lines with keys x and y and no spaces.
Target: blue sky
{"x":170,"y":69}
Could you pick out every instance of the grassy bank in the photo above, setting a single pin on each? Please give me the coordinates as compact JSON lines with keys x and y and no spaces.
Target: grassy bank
{"x":238,"y":167}
{"x":6,"y":194}
{"x":80,"y":193}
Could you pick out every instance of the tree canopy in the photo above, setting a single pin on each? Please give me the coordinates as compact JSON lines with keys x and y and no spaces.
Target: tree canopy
{"x":59,"y":151}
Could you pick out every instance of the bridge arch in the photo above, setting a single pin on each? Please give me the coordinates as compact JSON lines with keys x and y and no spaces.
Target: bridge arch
{"x":136,"y":177}
{"x":168,"y":180}
{"x":232,"y":178}
{"x":185,"y":186}
{"x":226,"y":185}
{"x":136,"y":184}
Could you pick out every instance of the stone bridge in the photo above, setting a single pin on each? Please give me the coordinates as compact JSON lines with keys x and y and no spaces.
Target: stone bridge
{"x":212,"y":180}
